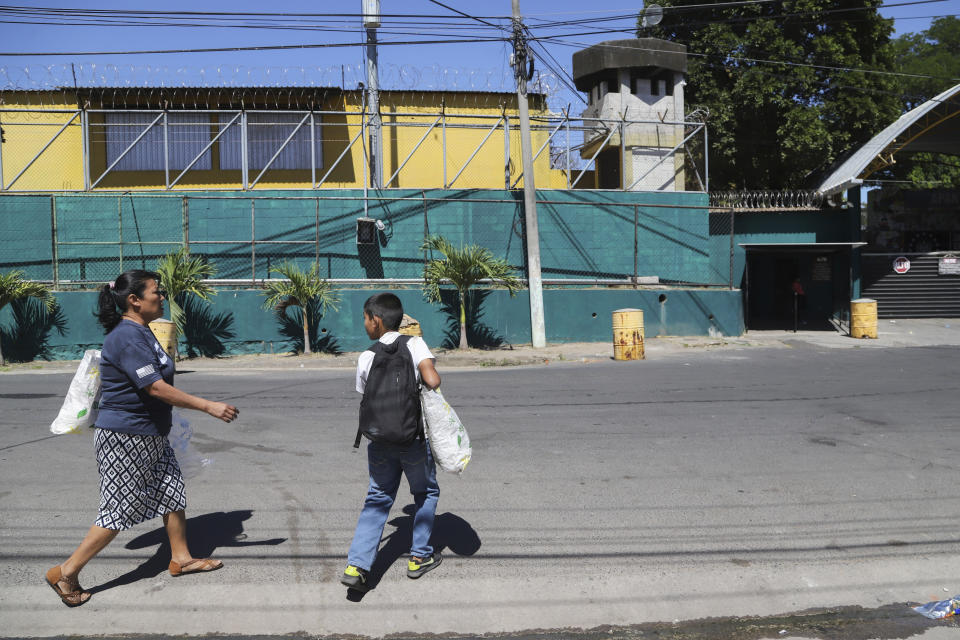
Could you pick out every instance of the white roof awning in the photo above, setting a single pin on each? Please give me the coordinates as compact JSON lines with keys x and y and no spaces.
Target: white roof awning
{"x":911,"y":133}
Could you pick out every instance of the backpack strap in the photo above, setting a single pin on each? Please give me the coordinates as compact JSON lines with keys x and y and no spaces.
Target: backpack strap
{"x":405,"y":340}
{"x":375,"y":349}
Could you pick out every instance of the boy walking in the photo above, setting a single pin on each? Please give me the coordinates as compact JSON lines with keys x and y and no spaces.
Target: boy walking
{"x":388,"y":375}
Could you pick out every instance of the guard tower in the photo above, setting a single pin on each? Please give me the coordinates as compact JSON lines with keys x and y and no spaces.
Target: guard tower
{"x":629,"y":81}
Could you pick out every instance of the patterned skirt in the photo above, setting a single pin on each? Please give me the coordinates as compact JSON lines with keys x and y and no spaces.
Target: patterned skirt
{"x":139,"y":479}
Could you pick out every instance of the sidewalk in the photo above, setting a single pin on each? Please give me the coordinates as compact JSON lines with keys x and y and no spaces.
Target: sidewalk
{"x":925,"y":332}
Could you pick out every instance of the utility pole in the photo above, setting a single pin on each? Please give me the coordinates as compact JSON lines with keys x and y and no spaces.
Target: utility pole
{"x":371,"y":21}
{"x":534,"y":281}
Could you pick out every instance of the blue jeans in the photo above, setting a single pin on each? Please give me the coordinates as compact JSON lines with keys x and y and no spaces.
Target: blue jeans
{"x":386,"y":465}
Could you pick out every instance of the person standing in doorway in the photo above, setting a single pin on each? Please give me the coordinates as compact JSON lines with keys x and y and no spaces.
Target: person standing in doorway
{"x":799,"y":304}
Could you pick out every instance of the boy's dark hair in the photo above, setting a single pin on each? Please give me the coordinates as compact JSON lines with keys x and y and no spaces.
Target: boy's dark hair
{"x":387,"y":307}
{"x":112,"y":301}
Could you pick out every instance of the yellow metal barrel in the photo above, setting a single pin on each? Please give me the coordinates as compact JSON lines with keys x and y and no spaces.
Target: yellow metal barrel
{"x":166,"y":334}
{"x":863,"y":318}
{"x":628,"y":334}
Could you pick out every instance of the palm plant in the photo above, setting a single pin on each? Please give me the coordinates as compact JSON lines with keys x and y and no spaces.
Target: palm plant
{"x":14,"y":287}
{"x":179,"y":275}
{"x":464,"y":267}
{"x":299,"y":289}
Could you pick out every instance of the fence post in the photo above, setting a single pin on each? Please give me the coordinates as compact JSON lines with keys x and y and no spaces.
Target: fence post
{"x":313,"y":151}
{"x":120,"y":228}
{"x":166,"y":151}
{"x":186,"y":224}
{"x":244,"y":168}
{"x":636,"y":244}
{"x":85,"y":145}
{"x":706,"y":159}
{"x":506,"y":150}
{"x":566,"y":117}
{"x":316,"y":243}
{"x":731,"y":247}
{"x":443,"y":135}
{"x":426,"y":226}
{"x":2,"y":188}
{"x":625,"y":182}
{"x":253,"y":241}
{"x":53,"y":241}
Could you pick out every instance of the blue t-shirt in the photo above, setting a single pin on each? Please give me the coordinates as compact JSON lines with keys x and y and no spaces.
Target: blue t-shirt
{"x":130,"y":360}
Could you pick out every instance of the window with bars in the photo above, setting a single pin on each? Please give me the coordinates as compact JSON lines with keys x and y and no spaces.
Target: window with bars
{"x":266,"y":133}
{"x":186,"y":136}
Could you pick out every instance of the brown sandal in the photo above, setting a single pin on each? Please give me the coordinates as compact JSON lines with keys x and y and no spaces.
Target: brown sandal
{"x":73,"y":598}
{"x":197,"y":565}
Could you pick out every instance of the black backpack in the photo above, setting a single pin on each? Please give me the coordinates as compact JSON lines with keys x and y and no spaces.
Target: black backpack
{"x":390,"y":408}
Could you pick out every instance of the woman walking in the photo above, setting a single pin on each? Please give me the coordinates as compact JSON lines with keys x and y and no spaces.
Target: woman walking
{"x":139,"y":475}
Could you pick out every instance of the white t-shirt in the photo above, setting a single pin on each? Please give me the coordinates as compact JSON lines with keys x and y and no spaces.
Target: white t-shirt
{"x":419,"y":351}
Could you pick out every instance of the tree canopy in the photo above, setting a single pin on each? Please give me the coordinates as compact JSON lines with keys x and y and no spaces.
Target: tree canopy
{"x":934,"y":57}
{"x":788,"y":84}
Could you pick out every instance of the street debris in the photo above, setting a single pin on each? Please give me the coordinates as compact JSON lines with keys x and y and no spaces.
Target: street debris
{"x":940,"y":608}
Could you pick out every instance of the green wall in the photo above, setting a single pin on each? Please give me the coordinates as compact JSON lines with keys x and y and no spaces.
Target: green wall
{"x":572,"y":315}
{"x":583,"y":234}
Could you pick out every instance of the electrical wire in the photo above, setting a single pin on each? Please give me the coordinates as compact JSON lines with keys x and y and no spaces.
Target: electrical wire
{"x":736,"y":58}
{"x":284,"y":47}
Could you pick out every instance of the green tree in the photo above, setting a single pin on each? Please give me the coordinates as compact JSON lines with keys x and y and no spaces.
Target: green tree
{"x":464,"y":267}
{"x":299,"y":289}
{"x":181,"y":275}
{"x":782,"y":84}
{"x":931,"y":60}
{"x":14,"y":287}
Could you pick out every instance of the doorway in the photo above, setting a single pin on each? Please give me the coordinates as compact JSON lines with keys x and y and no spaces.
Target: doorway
{"x":808,"y":287}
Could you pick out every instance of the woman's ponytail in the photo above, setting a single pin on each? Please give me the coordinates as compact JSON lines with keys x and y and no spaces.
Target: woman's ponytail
{"x":112,"y":301}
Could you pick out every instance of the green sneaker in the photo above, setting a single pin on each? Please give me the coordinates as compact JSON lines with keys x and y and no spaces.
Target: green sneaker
{"x":354,"y":578}
{"x":416,"y":567}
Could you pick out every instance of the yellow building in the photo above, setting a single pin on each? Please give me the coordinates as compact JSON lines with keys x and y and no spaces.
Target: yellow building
{"x":154,"y":138}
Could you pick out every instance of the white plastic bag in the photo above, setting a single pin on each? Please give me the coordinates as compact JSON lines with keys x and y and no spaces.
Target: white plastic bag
{"x":191,"y":461}
{"x":79,"y":408}
{"x":449,"y":441}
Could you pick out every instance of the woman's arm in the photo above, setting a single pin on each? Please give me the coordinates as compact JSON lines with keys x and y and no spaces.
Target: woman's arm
{"x":171,"y":395}
{"x":428,"y":373}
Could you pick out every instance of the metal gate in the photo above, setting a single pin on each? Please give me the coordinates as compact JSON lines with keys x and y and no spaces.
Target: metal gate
{"x":921,"y":292}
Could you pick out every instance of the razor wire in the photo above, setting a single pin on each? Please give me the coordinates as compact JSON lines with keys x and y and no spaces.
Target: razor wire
{"x":785,"y":200}
{"x":392,"y":77}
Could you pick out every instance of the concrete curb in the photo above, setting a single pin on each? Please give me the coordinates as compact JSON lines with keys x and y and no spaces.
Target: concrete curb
{"x":891,"y":334}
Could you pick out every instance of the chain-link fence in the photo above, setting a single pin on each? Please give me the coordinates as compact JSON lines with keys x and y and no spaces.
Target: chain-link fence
{"x":586,"y":238}
{"x":119,"y":149}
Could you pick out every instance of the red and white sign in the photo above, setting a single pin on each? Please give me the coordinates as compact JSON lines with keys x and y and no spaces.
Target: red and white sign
{"x":901,"y":265}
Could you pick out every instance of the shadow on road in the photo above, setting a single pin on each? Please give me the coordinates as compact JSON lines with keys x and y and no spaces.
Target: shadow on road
{"x":205,"y":534}
{"x":450,"y":532}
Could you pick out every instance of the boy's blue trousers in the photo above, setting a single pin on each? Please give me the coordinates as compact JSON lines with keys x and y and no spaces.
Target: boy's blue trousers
{"x":386,"y":465}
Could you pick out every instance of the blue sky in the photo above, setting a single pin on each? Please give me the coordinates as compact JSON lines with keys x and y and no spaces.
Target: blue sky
{"x":480,"y":65}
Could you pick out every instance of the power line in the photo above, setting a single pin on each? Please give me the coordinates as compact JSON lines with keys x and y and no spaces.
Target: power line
{"x":465,"y":15}
{"x":351,"y":16}
{"x":256,"y":48}
{"x":559,"y":41}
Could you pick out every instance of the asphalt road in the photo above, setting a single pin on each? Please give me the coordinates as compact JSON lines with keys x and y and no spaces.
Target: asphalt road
{"x":741,"y":482}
